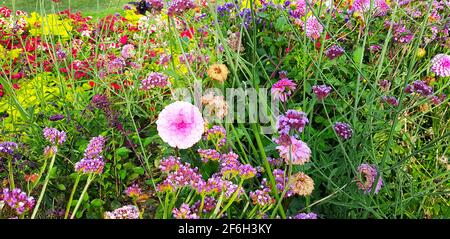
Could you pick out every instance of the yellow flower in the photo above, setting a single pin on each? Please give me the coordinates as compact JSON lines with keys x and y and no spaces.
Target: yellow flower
{"x":49,"y":25}
{"x":131,"y":16}
{"x":421,"y":52}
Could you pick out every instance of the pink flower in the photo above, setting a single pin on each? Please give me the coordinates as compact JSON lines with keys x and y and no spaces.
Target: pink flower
{"x":282,"y":89}
{"x":180,"y":124}
{"x":379,"y":7}
{"x":297,"y":151}
{"x":313,"y":28}
{"x":128,"y":51}
{"x":440,"y":65}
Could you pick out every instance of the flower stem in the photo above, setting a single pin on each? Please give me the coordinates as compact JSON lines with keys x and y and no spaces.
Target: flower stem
{"x":44,"y":187}
{"x":233,"y":197}
{"x":11,"y":175}
{"x":89,"y":180}
{"x":71,"y":196}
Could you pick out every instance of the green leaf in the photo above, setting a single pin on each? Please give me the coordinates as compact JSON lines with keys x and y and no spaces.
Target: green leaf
{"x":61,"y":187}
{"x":97,"y":202}
{"x":122,"y":152}
{"x":357,"y":55}
{"x":139,"y":170}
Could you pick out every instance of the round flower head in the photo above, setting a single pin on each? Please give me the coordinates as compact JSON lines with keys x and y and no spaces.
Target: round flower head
{"x":321,"y":91}
{"x":313,"y":28}
{"x":302,"y":184}
{"x":125,"y":212}
{"x":54,"y":136}
{"x":283,"y":88}
{"x":344,"y":130}
{"x":218,"y":72}
{"x":180,"y":125}
{"x":7,"y":148}
{"x":334,"y":51}
{"x":17,"y":200}
{"x":153,"y":80}
{"x":298,"y":9}
{"x":128,"y":51}
{"x":440,"y":65}
{"x":367,"y":178}
{"x":298,"y":151}
{"x":292,"y":120}
{"x":379,"y":7}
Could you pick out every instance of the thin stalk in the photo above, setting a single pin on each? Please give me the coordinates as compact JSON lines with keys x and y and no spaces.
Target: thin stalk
{"x":11,"y":174}
{"x":47,"y":178}
{"x":71,"y":196}
{"x":89,"y":181}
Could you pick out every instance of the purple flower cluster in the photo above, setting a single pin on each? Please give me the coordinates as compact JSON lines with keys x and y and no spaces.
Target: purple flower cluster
{"x":419,"y":87}
{"x":262,"y":196}
{"x":17,"y":200}
{"x":184,"y":212}
{"x":125,"y":212}
{"x":153,"y":80}
{"x":229,"y":165}
{"x":169,"y":164}
{"x":179,"y":175}
{"x":133,"y":191}
{"x":391,"y":100}
{"x":178,"y":7}
{"x":384,"y":85}
{"x":334,"y":51}
{"x":56,"y":117}
{"x":276,"y":162}
{"x":367,"y":178}
{"x":437,"y":100}
{"x":7,"y":148}
{"x":247,"y":171}
{"x":92,"y":161}
{"x":101,"y":102}
{"x":208,"y":205}
{"x":344,"y":130}
{"x":321,"y":91}
{"x":217,"y":134}
{"x":116,"y":65}
{"x":156,"y":5}
{"x":400,"y":33}
{"x":193,"y":57}
{"x":281,"y":180}
{"x":292,"y":120}
{"x":208,"y":154}
{"x":54,"y":136}
{"x":310,"y":215}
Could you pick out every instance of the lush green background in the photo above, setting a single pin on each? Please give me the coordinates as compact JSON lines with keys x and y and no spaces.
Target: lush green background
{"x":96,"y":8}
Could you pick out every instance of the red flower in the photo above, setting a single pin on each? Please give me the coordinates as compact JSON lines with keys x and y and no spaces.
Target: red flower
{"x":188,"y":33}
{"x":91,"y":83}
{"x":16,"y":86}
{"x":123,"y":40}
{"x":115,"y":86}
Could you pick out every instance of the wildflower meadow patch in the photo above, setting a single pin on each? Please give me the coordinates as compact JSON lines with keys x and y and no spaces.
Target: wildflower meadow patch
{"x":217,"y":109}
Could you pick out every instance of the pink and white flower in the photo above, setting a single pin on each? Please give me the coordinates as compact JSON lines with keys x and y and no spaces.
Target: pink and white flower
{"x":180,"y":125}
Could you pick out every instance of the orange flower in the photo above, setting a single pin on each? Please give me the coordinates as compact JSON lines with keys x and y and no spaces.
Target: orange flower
{"x":218,"y":72}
